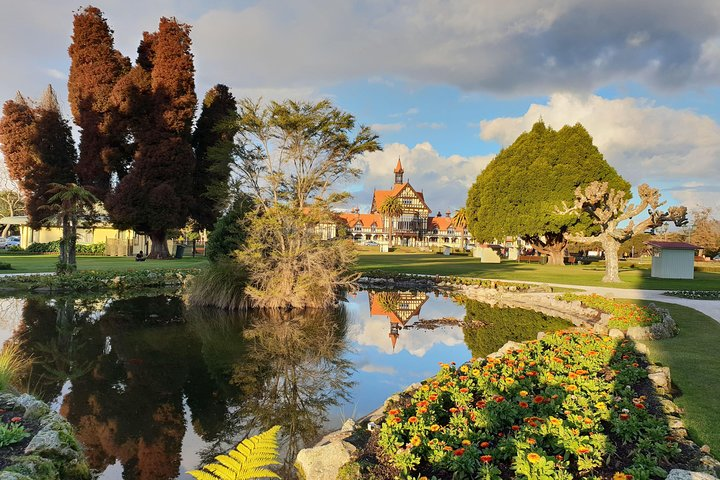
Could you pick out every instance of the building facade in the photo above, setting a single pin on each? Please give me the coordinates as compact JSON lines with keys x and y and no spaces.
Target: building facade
{"x":415,"y":226}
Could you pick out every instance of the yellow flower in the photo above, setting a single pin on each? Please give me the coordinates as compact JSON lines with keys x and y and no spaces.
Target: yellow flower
{"x":533,"y":457}
{"x":415,"y":441}
{"x":509,"y":380}
{"x":600,"y":406}
{"x":464,"y":369}
{"x":466,"y":442}
{"x":523,"y":393}
{"x":476,"y":372}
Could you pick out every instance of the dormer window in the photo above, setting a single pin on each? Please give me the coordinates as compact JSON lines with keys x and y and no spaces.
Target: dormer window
{"x":435,"y":231}
{"x":373,"y":227}
{"x":451,"y":231}
{"x":358,"y":227}
{"x":406,"y":201}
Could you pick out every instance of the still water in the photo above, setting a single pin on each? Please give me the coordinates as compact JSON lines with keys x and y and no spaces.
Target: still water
{"x":154,"y":388}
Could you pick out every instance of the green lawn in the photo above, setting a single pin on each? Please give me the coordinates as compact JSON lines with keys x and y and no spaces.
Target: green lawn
{"x":590,"y":275}
{"x":694,"y":366}
{"x":46,"y":263}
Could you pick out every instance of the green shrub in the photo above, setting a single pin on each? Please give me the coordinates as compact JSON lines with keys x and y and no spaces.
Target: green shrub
{"x":230,"y":231}
{"x":5,"y":266}
{"x":221,"y":284}
{"x":54,"y":247}
{"x":624,"y":315}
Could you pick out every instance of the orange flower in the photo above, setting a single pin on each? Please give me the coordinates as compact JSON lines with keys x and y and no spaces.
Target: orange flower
{"x":459,"y":452}
{"x":433,"y":397}
{"x":582,"y":450}
{"x":571,"y":388}
{"x":523,"y":404}
{"x":397,"y":419}
{"x":624,"y":416}
{"x":538,"y":399}
{"x":533,"y":457}
{"x":480,"y":404}
{"x":485,"y":444}
{"x":499,"y":399}
{"x":532,"y":441}
{"x":393,"y":412}
{"x":412,"y":420}
{"x":515,"y":428}
{"x":415,"y":441}
{"x":435,"y":427}
{"x":422,"y":403}
{"x":486,"y":458}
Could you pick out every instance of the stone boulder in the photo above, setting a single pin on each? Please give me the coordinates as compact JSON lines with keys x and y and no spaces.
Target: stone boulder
{"x":323,"y":462}
{"x":677,"y":474}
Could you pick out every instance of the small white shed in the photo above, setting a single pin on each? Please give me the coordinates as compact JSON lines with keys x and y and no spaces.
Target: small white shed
{"x":673,"y":260}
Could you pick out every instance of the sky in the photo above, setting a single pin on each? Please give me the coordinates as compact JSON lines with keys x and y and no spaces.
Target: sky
{"x":445,"y":83}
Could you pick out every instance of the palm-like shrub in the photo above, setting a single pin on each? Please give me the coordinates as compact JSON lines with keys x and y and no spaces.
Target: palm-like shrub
{"x":247,"y":461}
{"x":12,"y":362}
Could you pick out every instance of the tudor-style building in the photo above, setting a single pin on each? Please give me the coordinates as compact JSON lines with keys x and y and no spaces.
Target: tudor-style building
{"x":398,"y":307}
{"x":414,"y":227}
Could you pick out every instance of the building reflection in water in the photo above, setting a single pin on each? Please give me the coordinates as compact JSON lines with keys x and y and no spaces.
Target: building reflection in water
{"x":398,"y":307}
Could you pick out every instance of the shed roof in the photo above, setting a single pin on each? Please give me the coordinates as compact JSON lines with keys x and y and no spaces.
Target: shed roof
{"x":673,"y":245}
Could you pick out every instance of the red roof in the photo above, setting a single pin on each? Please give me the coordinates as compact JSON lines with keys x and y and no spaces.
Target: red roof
{"x":442,"y":223}
{"x":398,"y":168}
{"x":673,"y":245}
{"x":366,"y":219}
{"x":379,"y":196}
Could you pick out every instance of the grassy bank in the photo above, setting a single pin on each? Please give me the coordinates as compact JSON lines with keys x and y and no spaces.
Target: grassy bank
{"x":590,"y":275}
{"x":694,"y":364}
{"x":46,"y":263}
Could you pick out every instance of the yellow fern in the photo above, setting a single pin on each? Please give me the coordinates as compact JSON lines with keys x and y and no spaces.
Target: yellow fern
{"x":247,"y":461}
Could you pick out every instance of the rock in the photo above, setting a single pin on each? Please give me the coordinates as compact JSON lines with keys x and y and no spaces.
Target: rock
{"x":710,"y":464}
{"x":541,"y":335}
{"x":34,"y":408}
{"x":508,"y":347}
{"x":605,"y":318}
{"x":324,"y":462}
{"x":348,"y":426}
{"x":616,"y":334}
{"x":668,"y":406}
{"x":413,"y":387}
{"x":638,"y":333}
{"x":35,"y":467}
{"x":705,"y":449}
{"x":675,"y":423}
{"x":641,"y":348}
{"x":392,"y":400}
{"x":677,"y":474}
{"x":13,"y":476}
{"x":48,"y":442}
{"x":660,"y":377}
{"x":601,"y":329}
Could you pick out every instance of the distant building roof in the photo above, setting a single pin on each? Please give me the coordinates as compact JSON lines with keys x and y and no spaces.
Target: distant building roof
{"x":673,"y":245}
{"x":365,"y":219}
{"x":398,"y":167}
{"x":16,"y":220}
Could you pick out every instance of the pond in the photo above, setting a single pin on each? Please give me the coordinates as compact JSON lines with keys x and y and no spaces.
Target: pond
{"x":154,"y":388}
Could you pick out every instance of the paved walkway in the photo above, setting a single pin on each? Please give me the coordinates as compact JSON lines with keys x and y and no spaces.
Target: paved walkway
{"x":711,"y":308}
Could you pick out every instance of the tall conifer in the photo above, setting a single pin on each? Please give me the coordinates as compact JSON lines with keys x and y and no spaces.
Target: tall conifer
{"x":157,"y":98}
{"x":95,"y":68}
{"x":213,"y":144}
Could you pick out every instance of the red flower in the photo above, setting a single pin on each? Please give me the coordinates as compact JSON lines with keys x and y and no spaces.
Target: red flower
{"x":480,"y":404}
{"x":499,"y":399}
{"x":485,"y":444}
{"x":459,"y":452}
{"x":523,"y":404}
{"x":515,"y":428}
{"x":486,"y":458}
{"x":538,"y":399}
{"x":412,"y":420}
{"x":15,"y":419}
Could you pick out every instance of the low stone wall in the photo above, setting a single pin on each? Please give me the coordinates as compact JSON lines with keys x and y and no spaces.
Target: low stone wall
{"x":53,"y":452}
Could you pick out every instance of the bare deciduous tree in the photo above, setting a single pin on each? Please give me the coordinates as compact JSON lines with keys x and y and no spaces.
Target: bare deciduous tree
{"x":608,"y":209}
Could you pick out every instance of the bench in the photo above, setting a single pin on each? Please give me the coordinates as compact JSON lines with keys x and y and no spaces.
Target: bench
{"x":529,"y":258}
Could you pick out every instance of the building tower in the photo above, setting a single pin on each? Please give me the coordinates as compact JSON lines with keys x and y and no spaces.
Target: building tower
{"x":399,"y":173}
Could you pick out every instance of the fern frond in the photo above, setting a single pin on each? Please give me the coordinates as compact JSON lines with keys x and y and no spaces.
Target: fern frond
{"x":246,"y":461}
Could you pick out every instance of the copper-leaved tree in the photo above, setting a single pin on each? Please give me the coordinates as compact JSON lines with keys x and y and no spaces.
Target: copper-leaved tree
{"x":609,"y":210}
{"x":157,"y":101}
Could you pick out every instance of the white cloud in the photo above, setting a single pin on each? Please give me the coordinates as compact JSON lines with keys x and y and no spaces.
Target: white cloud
{"x":432,"y":125}
{"x":644,"y":142}
{"x":384,"y":369}
{"x":443,"y":180}
{"x":387,"y":127}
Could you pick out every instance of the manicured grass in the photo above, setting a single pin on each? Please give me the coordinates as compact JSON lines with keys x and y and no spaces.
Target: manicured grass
{"x":694,"y":366}
{"x":590,"y":275}
{"x":46,"y":263}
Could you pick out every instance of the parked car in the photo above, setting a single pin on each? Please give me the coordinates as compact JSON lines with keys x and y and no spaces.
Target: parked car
{"x":469,"y":247}
{"x":371,"y":243}
{"x":13,"y":241}
{"x":716,"y":258}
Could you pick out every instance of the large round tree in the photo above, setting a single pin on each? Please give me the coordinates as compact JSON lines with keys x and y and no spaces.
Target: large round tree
{"x":519,"y":190}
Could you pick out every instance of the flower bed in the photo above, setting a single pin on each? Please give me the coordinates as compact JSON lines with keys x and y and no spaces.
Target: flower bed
{"x":695,"y":294}
{"x":624,"y":315}
{"x":567,"y":406}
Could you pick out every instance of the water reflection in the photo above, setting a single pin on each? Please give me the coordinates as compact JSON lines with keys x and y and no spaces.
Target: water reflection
{"x":137,"y":366}
{"x":154,"y":389}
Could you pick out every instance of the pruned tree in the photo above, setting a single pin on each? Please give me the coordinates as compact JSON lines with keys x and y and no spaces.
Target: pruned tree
{"x":705,"y":231}
{"x":157,"y":100}
{"x":95,"y":68}
{"x":609,"y":208}
{"x":391,"y":208}
{"x":213,"y":144}
{"x":515,"y":194}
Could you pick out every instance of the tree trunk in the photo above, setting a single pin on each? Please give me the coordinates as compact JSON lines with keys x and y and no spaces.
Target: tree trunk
{"x":611,"y":247}
{"x":5,"y":230}
{"x":159,"y":245}
{"x":553,"y":248}
{"x":65,"y":221}
{"x":72,"y":245}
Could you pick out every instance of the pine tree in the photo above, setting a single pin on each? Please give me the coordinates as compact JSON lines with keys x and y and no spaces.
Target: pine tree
{"x":213,"y":144}
{"x":95,"y":69}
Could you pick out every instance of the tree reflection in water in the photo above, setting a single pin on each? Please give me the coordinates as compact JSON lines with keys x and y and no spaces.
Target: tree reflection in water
{"x":137,"y":365}
{"x":293,"y":372}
